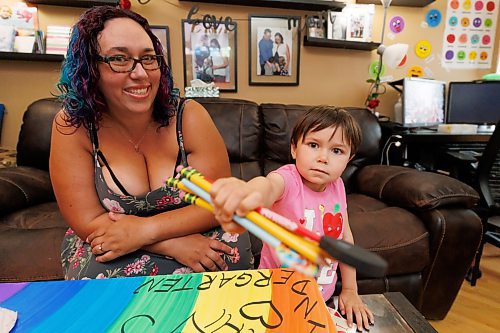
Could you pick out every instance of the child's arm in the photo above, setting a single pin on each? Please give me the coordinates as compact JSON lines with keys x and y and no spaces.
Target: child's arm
{"x":349,"y":301}
{"x":233,"y":196}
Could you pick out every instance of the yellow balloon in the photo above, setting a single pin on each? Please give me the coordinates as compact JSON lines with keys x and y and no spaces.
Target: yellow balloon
{"x":423,"y":48}
{"x":415,"y":71}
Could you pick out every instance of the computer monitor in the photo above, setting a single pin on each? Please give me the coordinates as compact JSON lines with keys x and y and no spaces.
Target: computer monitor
{"x":473,"y":103}
{"x":423,"y":102}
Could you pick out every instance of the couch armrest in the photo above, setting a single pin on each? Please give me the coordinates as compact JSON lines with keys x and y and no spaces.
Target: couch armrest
{"x":23,"y":187}
{"x":417,"y":190}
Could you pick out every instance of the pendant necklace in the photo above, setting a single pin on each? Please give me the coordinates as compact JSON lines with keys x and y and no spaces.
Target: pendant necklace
{"x":135,"y":145}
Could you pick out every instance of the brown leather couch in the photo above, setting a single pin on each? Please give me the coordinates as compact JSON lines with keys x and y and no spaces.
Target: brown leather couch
{"x":420,"y":222}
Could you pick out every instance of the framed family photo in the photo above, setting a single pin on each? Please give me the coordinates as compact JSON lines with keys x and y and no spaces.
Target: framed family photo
{"x":162,"y":32}
{"x":210,"y":55}
{"x":274,"y":47}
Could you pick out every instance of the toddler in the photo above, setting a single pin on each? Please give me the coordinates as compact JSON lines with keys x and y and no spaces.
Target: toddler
{"x":310,"y":192}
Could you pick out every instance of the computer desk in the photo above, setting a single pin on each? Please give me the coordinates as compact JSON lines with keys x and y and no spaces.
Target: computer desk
{"x":442,"y":138}
{"x":432,"y":151}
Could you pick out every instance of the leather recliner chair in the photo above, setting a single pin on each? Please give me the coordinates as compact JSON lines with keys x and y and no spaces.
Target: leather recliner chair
{"x":420,"y":222}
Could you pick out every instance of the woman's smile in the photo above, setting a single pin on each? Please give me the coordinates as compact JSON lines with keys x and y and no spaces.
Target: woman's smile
{"x":138,"y":92}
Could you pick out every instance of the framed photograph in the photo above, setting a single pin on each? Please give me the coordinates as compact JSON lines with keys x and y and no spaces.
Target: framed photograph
{"x":336,"y":25}
{"x":161,"y":31}
{"x":210,"y":55}
{"x":315,"y":27}
{"x":274,"y":50}
{"x":359,"y":22}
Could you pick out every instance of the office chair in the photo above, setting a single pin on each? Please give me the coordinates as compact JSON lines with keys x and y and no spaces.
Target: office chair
{"x":488,"y":184}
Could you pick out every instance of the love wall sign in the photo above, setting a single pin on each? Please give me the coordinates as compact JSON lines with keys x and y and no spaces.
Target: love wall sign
{"x":239,"y":301}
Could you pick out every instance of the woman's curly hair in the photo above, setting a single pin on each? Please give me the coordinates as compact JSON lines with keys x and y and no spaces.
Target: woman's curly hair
{"x":82,"y":100}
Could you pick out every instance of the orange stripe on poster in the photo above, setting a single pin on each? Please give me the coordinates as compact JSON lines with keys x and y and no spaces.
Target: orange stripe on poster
{"x":301,"y":296}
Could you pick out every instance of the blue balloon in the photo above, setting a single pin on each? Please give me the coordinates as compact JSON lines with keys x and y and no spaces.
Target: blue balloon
{"x":433,"y":18}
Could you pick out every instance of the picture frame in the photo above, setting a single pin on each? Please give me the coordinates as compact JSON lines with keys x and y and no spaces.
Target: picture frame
{"x":281,"y":56}
{"x":163,"y":34}
{"x":315,"y":27}
{"x":336,"y":25}
{"x":359,"y":22}
{"x":209,"y":55}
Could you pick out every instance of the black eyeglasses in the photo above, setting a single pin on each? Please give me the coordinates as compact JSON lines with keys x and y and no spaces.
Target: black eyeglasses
{"x":124,"y":64}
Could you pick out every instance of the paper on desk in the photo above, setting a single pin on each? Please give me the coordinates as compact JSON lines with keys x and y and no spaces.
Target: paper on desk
{"x":8,"y":319}
{"x":340,"y":322}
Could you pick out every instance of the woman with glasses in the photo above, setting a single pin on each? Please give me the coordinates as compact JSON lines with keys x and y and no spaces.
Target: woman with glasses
{"x":121,"y":134}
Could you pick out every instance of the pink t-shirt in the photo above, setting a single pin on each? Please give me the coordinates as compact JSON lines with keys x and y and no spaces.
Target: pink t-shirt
{"x":321,"y":212}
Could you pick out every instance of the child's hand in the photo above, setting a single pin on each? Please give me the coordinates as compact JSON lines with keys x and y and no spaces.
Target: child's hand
{"x":233,"y":196}
{"x":350,"y":303}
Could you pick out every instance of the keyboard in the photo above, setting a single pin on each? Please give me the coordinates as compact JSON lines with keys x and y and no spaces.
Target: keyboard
{"x":464,"y":147}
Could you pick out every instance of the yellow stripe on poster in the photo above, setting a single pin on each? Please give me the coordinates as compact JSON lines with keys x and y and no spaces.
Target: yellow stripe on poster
{"x":229,"y":300}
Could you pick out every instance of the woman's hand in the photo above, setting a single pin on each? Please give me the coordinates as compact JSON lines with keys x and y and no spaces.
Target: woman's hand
{"x":198,"y":252}
{"x":350,"y":303}
{"x":124,"y":234}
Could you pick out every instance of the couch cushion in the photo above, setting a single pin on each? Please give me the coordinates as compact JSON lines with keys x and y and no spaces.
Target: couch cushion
{"x":33,"y":146}
{"x":22,"y":187}
{"x":239,"y":124}
{"x":33,"y":235}
{"x":392,"y":232}
{"x":418,"y":190}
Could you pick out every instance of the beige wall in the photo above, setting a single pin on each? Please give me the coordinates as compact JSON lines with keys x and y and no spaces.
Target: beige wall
{"x":327,"y":75}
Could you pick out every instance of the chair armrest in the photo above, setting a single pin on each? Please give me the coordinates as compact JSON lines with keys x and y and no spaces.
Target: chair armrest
{"x":23,"y":187}
{"x":417,"y":190}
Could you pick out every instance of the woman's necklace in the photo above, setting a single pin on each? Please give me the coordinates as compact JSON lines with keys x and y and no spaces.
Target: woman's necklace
{"x":137,"y":144}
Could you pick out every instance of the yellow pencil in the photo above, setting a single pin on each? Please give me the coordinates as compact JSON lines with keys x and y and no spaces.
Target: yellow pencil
{"x":195,"y":200}
{"x":175,"y":182}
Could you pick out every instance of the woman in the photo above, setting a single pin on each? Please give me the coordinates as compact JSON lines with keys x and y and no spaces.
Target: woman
{"x":121,"y":133}
{"x":219,"y":61}
{"x":281,"y":54}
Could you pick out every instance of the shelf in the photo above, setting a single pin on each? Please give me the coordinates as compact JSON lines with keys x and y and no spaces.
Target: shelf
{"x":403,"y":3}
{"x":31,"y":56}
{"x":340,"y":44}
{"x":309,"y":5}
{"x":74,"y":3}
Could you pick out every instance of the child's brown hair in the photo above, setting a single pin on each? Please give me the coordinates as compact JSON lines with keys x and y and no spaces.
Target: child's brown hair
{"x":320,"y":117}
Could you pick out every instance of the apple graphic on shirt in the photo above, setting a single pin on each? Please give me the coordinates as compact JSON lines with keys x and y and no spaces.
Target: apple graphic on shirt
{"x":332,"y":224}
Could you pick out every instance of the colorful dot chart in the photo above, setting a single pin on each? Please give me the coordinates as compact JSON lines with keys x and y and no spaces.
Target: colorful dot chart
{"x":469,"y":33}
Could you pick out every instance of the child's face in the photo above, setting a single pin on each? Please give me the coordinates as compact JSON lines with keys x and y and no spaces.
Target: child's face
{"x":319,"y":159}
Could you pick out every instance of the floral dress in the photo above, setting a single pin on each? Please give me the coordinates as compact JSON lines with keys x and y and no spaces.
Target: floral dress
{"x":78,"y":261}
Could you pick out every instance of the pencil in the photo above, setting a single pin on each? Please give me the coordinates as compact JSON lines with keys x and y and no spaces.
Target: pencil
{"x":175,"y":182}
{"x":288,"y":224}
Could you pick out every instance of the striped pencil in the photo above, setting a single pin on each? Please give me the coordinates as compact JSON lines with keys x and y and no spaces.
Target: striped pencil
{"x":286,"y":223}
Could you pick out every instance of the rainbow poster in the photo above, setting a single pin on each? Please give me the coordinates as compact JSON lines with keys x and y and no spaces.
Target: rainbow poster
{"x":277,"y":300}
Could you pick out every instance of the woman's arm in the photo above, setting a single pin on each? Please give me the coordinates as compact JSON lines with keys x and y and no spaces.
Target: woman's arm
{"x":203,"y":254}
{"x":72,"y":175}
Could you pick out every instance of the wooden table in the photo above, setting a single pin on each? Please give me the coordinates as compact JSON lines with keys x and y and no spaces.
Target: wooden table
{"x":395,"y":314}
